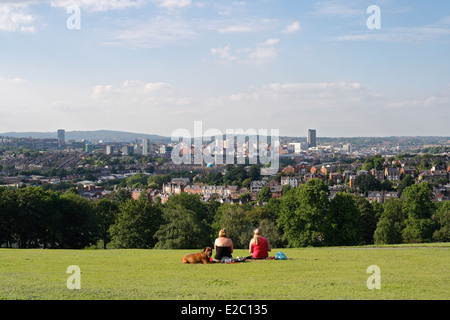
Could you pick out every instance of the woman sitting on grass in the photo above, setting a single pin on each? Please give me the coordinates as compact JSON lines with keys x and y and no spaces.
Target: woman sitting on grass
{"x":223,"y":245}
{"x":259,"y":246}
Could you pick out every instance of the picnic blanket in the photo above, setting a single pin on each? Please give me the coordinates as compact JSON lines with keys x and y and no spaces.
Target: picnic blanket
{"x":278,"y":256}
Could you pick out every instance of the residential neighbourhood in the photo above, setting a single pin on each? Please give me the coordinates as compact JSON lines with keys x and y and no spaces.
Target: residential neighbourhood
{"x":102,"y":168}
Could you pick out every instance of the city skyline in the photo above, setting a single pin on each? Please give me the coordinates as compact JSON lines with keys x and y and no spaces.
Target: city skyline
{"x":154,"y":66}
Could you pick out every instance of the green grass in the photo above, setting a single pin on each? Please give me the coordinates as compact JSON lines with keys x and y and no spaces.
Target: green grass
{"x":407,"y":272}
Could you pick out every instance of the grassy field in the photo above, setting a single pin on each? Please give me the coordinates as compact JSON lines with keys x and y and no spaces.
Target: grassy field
{"x":407,"y":272}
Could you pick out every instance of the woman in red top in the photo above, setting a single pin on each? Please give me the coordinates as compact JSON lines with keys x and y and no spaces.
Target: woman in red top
{"x":259,"y":246}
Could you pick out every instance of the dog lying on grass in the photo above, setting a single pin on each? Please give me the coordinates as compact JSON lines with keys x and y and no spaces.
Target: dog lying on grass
{"x":201,"y":257}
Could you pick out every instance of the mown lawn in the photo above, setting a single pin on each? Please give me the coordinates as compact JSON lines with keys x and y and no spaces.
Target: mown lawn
{"x":407,"y":272}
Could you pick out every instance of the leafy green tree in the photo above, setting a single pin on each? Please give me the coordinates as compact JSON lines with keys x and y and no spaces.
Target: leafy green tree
{"x":105,"y":211}
{"x":138,"y":180}
{"x":78,"y":223}
{"x":182,"y":229}
{"x":419,"y":209}
{"x":8,"y":211}
{"x":119,"y":196}
{"x":375,"y":162}
{"x":367,"y":182}
{"x":158,"y":179}
{"x":302,"y":212}
{"x":254,"y":172}
{"x":391,"y":224}
{"x":442,"y":234}
{"x":35,"y":218}
{"x":285,"y":189}
{"x":245,"y":197}
{"x":149,"y":169}
{"x":185,"y":223}
{"x":264,"y":195}
{"x":235,"y":173}
{"x":246,"y":183}
{"x":135,"y":225}
{"x":234,"y":218}
{"x":271,"y":232}
{"x":190,"y":202}
{"x":407,"y":181}
{"x":342,"y":221}
{"x":367,"y":221}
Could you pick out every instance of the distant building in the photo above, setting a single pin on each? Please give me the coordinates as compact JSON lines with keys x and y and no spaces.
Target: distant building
{"x":128,"y":150}
{"x":145,"y":147}
{"x":347,"y":148}
{"x":89,"y":147}
{"x":392,"y":174}
{"x":61,"y":137}
{"x":294,"y":182}
{"x":109,"y":149}
{"x":312,"y":138}
{"x":256,"y":186}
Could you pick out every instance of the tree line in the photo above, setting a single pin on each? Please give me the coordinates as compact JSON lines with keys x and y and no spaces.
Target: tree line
{"x":304,"y":216}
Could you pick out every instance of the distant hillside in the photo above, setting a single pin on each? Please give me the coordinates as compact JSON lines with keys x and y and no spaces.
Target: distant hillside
{"x":105,"y":135}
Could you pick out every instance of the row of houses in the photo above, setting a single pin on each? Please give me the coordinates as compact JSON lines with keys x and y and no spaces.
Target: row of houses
{"x":388,"y":173}
{"x":223,"y":193}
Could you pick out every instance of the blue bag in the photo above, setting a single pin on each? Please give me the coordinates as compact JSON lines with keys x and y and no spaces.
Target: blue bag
{"x":280,"y":256}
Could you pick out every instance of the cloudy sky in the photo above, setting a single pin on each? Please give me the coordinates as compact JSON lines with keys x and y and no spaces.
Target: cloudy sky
{"x":154,"y":66}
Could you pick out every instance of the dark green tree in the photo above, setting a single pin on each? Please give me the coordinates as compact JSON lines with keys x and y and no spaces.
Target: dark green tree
{"x":302,"y":212}
{"x":182,"y":228}
{"x":135,"y":225}
{"x":185,"y":223}
{"x":342,"y":221}
{"x":442,"y":233}
{"x":238,"y":223}
{"x":264,"y":195}
{"x":105,"y":211}
{"x":367,"y":221}
{"x":8,"y":211}
{"x":419,"y":208}
{"x":78,"y":223}
{"x":391,"y":224}
{"x":367,"y":182}
{"x":407,"y":181}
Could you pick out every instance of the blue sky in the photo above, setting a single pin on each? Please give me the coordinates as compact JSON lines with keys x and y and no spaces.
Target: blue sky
{"x":154,"y":66}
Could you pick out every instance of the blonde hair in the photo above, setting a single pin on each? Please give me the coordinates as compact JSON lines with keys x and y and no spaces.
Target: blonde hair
{"x":256,"y":234}
{"x":223,"y":233}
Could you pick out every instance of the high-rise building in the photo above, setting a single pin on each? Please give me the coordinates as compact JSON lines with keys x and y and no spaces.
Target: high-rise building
{"x":145,"y":147}
{"x":127,"y":150}
{"x":109,"y":149}
{"x":61,"y":137}
{"x":312,"y":138}
{"x":347,"y":148}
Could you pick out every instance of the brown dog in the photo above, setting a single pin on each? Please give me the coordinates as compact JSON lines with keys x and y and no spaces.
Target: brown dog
{"x":201,"y":257}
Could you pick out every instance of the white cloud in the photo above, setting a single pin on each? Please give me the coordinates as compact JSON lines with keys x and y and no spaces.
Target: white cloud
{"x":132,"y":89}
{"x":261,"y":53}
{"x":252,"y":25}
{"x":293,"y":27}
{"x":154,"y":33}
{"x":336,"y":8}
{"x":13,"y":80}
{"x":235,"y":29}
{"x":98,"y":5}
{"x":173,"y":4}
{"x":223,"y":53}
{"x":14,"y":17}
{"x":270,"y":42}
{"x":438,"y":102}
